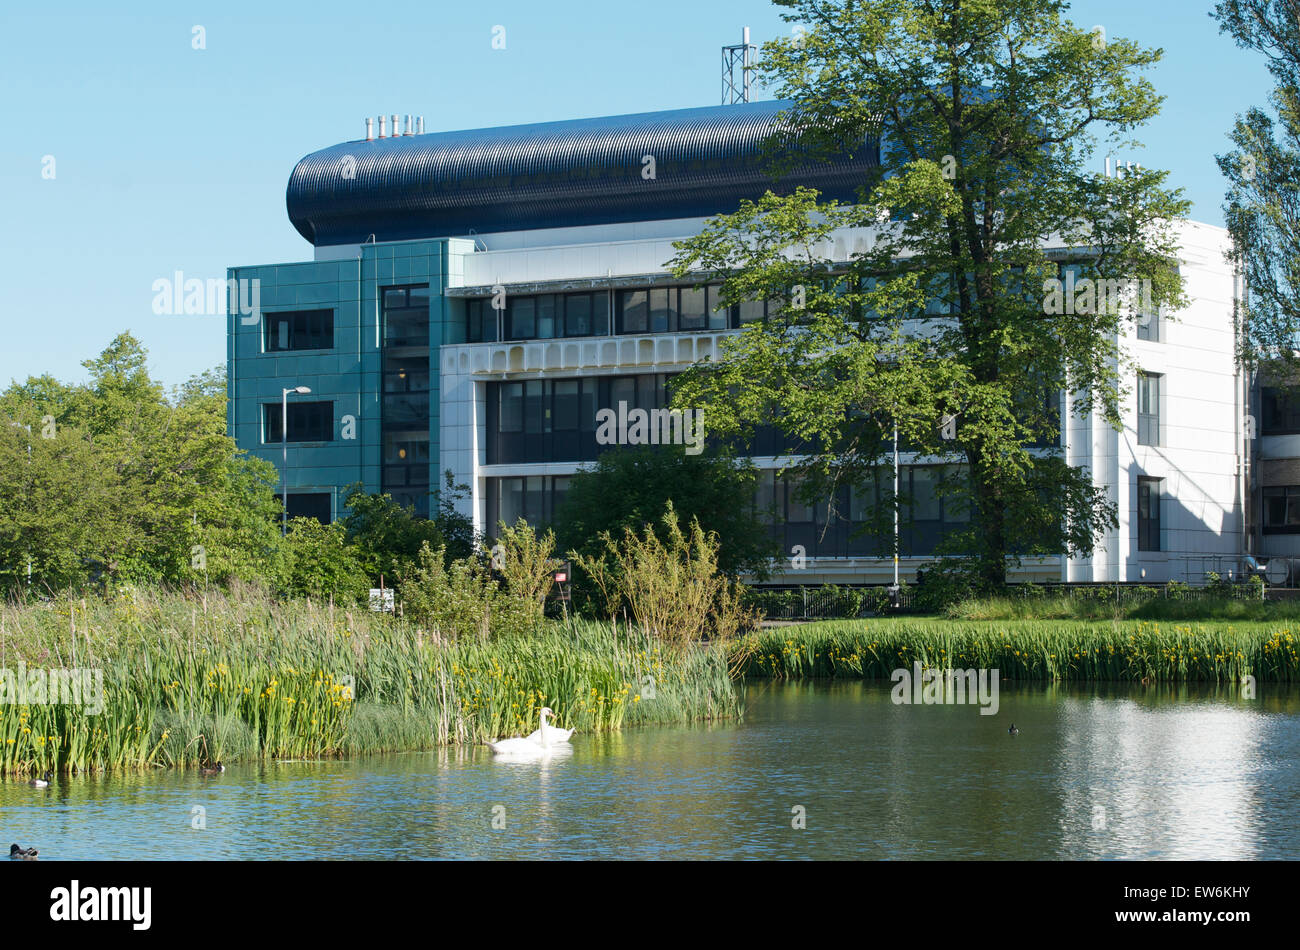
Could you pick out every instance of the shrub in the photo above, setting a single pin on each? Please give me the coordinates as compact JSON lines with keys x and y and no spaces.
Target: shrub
{"x":940,"y":586}
{"x":459,"y":598}
{"x":526,"y":566}
{"x":671,"y":585}
{"x":629,"y":487}
{"x":320,"y":563}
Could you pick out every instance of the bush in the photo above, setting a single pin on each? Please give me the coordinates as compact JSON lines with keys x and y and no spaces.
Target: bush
{"x":387,"y":537}
{"x":526,"y":566}
{"x":939,"y":587}
{"x":321,"y":564}
{"x":629,"y":487}
{"x":826,"y":602}
{"x":459,"y":598}
{"x":672,"y":586}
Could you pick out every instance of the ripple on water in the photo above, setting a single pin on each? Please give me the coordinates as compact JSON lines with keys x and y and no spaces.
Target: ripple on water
{"x":1105,"y":774}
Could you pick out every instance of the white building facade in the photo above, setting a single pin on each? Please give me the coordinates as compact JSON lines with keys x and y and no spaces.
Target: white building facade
{"x":477,"y":298}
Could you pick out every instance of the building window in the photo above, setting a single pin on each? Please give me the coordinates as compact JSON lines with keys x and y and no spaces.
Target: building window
{"x":554,"y":420}
{"x":408,"y":389}
{"x":1149,"y":491}
{"x":539,"y":317}
{"x":633,"y":311}
{"x":308,"y":422}
{"x":1148,"y":327}
{"x":1282,"y":509}
{"x":857,"y":521}
{"x":1279,"y":410}
{"x":521,"y":319}
{"x":309,"y":505}
{"x":750,"y":311}
{"x":406,"y":315}
{"x":534,"y":498}
{"x":681,"y":309}
{"x":1148,"y":396}
{"x":1150,"y":318}
{"x":480,"y":322}
{"x":299,"y":330}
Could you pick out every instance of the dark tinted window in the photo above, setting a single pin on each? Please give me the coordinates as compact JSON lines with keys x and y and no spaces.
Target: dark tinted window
{"x":299,"y":330}
{"x":1282,"y":509}
{"x":406,"y":316}
{"x":309,"y":505}
{"x":1148,"y":514}
{"x":1279,"y":409}
{"x":308,"y":421}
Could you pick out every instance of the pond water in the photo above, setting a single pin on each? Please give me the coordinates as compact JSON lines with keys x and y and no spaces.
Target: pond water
{"x":1094,"y":773}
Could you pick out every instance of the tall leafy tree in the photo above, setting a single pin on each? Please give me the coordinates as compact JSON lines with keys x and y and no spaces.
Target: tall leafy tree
{"x":1263,"y":171}
{"x":630,"y":488}
{"x":58,"y":505}
{"x":321,"y":564}
{"x":950,"y":322}
{"x":126,"y":482}
{"x":387,"y":538}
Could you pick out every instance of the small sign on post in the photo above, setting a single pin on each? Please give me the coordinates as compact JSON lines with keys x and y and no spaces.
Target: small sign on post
{"x":381,"y":600}
{"x":561,"y":577}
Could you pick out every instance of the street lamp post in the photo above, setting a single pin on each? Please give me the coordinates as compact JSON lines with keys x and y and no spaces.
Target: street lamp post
{"x":284,"y":453}
{"x":895,"y":592}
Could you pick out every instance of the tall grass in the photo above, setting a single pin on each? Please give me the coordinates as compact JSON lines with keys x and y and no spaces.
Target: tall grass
{"x":1101,"y":606}
{"x":188,"y":680}
{"x":1040,"y":651}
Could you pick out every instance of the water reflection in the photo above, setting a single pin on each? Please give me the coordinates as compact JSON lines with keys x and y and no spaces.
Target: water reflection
{"x":1109,"y":772}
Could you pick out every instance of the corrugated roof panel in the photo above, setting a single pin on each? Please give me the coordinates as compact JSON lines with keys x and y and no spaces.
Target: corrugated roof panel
{"x":551,"y":175}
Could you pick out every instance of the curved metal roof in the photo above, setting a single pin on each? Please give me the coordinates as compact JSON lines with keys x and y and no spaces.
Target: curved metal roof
{"x":552,"y":174}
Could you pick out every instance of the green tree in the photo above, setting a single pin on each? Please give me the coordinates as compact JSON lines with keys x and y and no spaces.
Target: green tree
{"x":57,"y":506}
{"x":949,"y":322}
{"x":320,"y":563}
{"x":129,"y":483}
{"x":1262,"y":205}
{"x":388,"y":537}
{"x":631,"y":488}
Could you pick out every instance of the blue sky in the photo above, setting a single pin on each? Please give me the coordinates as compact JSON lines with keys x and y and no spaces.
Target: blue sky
{"x":169,"y":158}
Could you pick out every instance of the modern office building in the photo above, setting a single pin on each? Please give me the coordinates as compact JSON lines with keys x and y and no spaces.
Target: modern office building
{"x":475,"y":298}
{"x":1274,"y":476}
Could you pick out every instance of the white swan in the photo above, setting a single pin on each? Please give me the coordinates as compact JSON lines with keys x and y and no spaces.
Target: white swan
{"x":554,"y":734}
{"x":528,"y":747}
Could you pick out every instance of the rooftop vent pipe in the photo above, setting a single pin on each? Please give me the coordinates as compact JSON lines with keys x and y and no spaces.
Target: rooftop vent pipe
{"x":381,"y":128}
{"x":370,"y":129}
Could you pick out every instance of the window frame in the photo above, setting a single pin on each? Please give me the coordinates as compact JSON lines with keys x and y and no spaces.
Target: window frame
{"x":1149,"y":526}
{"x":1150,"y":423}
{"x":1286,"y":494}
{"x":273,"y":413}
{"x":272,"y":319}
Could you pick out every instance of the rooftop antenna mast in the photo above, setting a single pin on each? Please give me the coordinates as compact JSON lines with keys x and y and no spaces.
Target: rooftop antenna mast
{"x":737,"y":61}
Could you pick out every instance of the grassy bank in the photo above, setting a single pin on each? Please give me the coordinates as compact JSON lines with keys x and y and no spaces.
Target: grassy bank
{"x":1031,"y":650}
{"x":1100,"y":605}
{"x":188,"y":680}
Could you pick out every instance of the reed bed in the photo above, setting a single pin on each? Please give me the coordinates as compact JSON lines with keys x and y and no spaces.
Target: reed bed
{"x":1037,"y":651}
{"x":192,"y":679}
